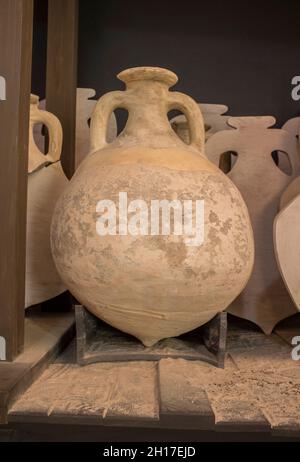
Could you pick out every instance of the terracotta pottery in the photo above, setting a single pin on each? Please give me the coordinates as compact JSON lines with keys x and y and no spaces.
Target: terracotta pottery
{"x":181,"y":127}
{"x":36,"y":158}
{"x":139,"y":280}
{"x":45,"y":184}
{"x":293,"y":189}
{"x":290,"y":193}
{"x":287,"y":228}
{"x":214,"y":120}
{"x":37,"y":129}
{"x":287,"y":247}
{"x":265,"y":299}
{"x":84,"y":109}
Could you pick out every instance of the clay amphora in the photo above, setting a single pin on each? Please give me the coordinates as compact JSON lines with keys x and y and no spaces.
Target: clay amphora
{"x":293,"y":189}
{"x":214,"y":120}
{"x":287,"y":247}
{"x":150,"y":283}
{"x":265,"y":299}
{"x":46,"y":181}
{"x":287,"y":227}
{"x":84,"y":109}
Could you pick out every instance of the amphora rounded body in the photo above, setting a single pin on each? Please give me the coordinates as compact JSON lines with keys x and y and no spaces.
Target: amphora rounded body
{"x":149,"y":235}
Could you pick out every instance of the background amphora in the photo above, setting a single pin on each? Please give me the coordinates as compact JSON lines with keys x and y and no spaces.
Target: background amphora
{"x":265,"y":299}
{"x":46,"y":181}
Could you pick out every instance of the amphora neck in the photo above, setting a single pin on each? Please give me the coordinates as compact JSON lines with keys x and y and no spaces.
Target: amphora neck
{"x":147,"y":92}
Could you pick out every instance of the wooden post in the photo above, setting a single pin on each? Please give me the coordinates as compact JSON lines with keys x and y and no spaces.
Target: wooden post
{"x":16,"y":18}
{"x":61,"y":79}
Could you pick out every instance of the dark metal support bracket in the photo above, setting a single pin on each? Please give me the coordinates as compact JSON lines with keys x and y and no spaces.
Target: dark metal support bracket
{"x":99,"y":342}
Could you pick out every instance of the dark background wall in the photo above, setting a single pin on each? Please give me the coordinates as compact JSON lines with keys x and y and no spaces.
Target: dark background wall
{"x":239,"y":53}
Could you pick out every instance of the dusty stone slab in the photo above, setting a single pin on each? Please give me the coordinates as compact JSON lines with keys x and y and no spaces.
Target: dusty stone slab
{"x":194,"y":380}
{"x":251,"y":349}
{"x":266,"y":358}
{"x":234,"y":405}
{"x":256,"y":400}
{"x":180,"y":398}
{"x":249,"y":337}
{"x":259,"y":390}
{"x":103,"y":391}
{"x":278,"y":396}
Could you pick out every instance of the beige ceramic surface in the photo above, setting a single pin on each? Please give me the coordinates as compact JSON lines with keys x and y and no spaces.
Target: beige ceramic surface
{"x":38,"y":135}
{"x":152,"y":287}
{"x":287,"y":247}
{"x":214,"y":120}
{"x":265,"y":300}
{"x":292,"y":126}
{"x":84,"y":109}
{"x":36,"y":158}
{"x":45,"y":184}
{"x":293,"y":189}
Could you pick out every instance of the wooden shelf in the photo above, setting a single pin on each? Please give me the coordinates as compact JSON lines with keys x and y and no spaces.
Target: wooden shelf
{"x":45,"y":336}
{"x":16,"y":29}
{"x":16,"y":45}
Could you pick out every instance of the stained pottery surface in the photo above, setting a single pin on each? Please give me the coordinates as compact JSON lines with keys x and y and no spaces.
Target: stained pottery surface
{"x":45,"y":184}
{"x":287,"y":247}
{"x":84,"y":109}
{"x":265,"y":299}
{"x":151,"y":286}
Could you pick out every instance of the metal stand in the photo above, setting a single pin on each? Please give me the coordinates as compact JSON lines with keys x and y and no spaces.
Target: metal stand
{"x":99,"y":342}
